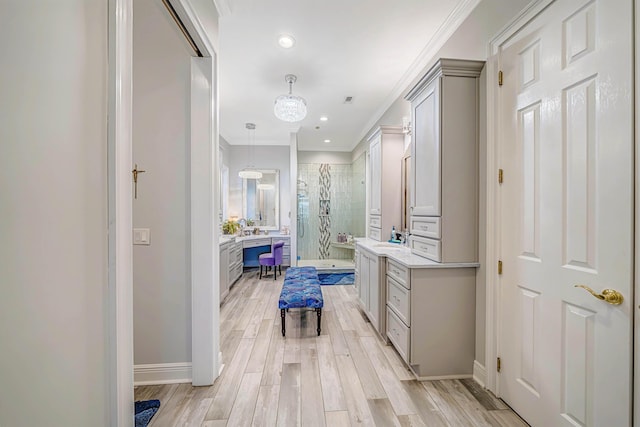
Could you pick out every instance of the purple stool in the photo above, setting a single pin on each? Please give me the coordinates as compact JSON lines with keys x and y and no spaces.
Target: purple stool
{"x":272,"y":259}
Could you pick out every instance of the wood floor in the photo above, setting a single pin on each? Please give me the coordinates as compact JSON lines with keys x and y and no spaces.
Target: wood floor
{"x":346,"y":376}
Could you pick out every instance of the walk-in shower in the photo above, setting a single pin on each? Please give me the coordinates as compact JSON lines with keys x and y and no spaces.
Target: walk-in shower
{"x":330,"y":207}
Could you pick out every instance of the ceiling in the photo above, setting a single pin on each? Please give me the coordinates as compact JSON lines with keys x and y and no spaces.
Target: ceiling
{"x":368,"y":49}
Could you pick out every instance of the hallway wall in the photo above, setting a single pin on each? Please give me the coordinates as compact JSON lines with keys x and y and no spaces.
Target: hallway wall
{"x":53,"y":205}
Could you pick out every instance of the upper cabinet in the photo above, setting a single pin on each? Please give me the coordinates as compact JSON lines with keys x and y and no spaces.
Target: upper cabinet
{"x":444,"y":162}
{"x":386,"y":148}
{"x":375,"y":156}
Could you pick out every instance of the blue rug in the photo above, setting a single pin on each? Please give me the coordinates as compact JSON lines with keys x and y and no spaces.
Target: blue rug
{"x":336,"y":278}
{"x":145,"y":410}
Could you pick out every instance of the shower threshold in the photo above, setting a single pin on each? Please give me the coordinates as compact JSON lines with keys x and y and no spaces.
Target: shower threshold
{"x":333,"y":265}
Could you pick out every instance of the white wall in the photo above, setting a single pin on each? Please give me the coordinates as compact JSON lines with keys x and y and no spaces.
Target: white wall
{"x":161,"y":103}
{"x":53,"y":205}
{"x":263,"y":157}
{"x":332,"y":157}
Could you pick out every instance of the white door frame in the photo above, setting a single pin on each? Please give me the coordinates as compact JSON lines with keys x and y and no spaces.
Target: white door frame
{"x":120,"y":217}
{"x":493,"y":197}
{"x":636,"y":247}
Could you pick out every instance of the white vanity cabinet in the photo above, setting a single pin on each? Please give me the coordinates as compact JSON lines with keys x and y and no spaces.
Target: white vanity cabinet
{"x":431,"y":318}
{"x":370,"y":272}
{"x":224,"y":271}
{"x":235,"y":262}
{"x":444,"y":162}
{"x":386,"y":148}
{"x":230,"y":265}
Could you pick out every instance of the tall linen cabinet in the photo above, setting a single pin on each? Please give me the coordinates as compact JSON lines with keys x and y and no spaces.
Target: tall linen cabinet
{"x":444,"y":162}
{"x":386,"y":147}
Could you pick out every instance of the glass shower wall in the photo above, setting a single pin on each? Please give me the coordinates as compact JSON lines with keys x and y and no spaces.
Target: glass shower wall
{"x":325,"y":209}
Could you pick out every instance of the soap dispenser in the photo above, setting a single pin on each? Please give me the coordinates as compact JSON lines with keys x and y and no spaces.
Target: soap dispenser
{"x":393,"y":232}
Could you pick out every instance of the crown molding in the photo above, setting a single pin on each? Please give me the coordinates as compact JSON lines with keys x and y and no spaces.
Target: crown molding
{"x":223,"y":6}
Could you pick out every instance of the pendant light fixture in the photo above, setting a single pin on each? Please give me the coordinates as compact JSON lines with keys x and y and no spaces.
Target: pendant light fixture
{"x":250,"y":172}
{"x":290,"y":108}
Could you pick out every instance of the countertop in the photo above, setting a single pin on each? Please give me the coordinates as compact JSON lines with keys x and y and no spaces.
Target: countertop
{"x":225,"y":238}
{"x":403,"y":255}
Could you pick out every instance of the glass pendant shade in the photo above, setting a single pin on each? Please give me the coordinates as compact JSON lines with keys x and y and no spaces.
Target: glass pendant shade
{"x":250,"y":172}
{"x":290,"y":108}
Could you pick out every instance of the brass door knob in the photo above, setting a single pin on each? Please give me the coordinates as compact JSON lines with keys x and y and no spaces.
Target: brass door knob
{"x":608,"y":295}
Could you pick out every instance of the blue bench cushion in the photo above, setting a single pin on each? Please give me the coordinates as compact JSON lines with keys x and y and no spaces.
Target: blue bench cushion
{"x":301,"y":289}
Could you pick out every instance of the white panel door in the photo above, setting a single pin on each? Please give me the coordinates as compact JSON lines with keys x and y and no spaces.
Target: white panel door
{"x":566,"y":147}
{"x":375,"y":150}
{"x":425,"y":152}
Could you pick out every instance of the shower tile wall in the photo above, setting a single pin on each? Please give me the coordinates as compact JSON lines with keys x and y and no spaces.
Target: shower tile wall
{"x":340,"y":191}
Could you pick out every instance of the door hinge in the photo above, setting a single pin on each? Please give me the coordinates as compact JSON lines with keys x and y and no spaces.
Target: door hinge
{"x":499,"y":267}
{"x":498,"y":364}
{"x":500,"y":173}
{"x":500,"y":78}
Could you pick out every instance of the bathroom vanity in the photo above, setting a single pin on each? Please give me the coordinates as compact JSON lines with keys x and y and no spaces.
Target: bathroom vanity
{"x":425,"y":309}
{"x":239,"y":252}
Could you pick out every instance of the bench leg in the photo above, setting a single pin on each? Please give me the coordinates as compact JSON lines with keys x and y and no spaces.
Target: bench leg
{"x":319,"y":311}
{"x":282,"y":315}
{"x":261,"y":271}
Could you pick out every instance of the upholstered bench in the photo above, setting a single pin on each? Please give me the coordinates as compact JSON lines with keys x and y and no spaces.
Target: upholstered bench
{"x":301,"y":289}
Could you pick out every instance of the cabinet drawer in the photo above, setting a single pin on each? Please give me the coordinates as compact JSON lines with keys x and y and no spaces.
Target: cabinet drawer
{"x":374,"y":233}
{"x":286,"y":260}
{"x":398,"y":334}
{"x":399,"y":272}
{"x":375,"y":221}
{"x":398,"y":298}
{"x":427,"y":248}
{"x":235,"y":255}
{"x":426,"y":226}
{"x":234,"y":272}
{"x":253,"y":243}
{"x":281,"y":239}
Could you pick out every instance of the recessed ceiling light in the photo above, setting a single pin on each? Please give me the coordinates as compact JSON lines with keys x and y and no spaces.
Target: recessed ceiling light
{"x":327,"y":141}
{"x":286,"y":41}
{"x":324,"y":118}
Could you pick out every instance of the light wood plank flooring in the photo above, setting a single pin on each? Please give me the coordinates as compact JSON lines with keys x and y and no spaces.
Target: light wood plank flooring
{"x":346,"y":376}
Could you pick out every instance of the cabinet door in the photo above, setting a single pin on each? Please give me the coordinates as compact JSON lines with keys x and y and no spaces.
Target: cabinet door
{"x":425,"y":152}
{"x":356,"y":281}
{"x":374,"y":292}
{"x":375,"y":163}
{"x":224,"y":271}
{"x":364,"y":281}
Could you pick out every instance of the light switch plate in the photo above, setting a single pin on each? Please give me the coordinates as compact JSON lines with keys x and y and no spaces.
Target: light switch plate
{"x":141,"y":236}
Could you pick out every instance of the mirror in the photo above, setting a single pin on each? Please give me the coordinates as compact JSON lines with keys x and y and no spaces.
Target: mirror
{"x":261,"y":200}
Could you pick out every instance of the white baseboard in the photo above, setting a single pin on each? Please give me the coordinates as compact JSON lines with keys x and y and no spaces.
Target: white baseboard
{"x":442,"y":377}
{"x":479,"y":373}
{"x":162,"y":373}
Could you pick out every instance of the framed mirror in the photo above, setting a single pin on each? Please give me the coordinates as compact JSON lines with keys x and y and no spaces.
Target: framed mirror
{"x":261,"y":200}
